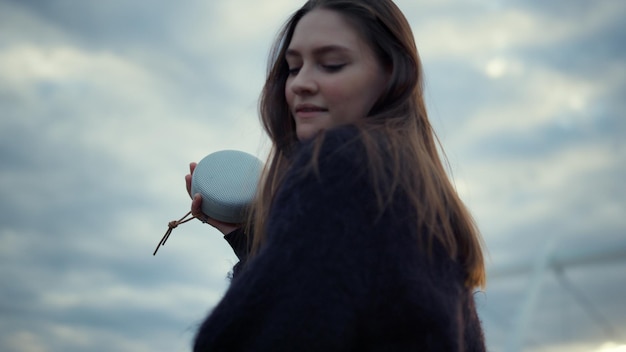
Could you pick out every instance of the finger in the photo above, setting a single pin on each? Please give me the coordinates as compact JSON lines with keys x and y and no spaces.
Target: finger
{"x":188,"y":184}
{"x":192,"y":168}
{"x":196,"y":207}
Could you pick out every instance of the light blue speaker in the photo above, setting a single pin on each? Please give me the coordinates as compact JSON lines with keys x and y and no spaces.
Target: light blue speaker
{"x":227,"y":181}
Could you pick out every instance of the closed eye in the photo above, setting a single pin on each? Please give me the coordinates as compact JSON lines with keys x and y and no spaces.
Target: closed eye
{"x":328,"y":68}
{"x":333,"y":68}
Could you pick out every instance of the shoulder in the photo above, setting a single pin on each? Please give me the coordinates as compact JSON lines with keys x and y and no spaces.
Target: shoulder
{"x":334,"y":151}
{"x":332,"y":169}
{"x":333,"y":141}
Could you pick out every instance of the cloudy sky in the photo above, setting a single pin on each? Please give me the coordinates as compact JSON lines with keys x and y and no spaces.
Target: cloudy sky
{"x":104,"y":103}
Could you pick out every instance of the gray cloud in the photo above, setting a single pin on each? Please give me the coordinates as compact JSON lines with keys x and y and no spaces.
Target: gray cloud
{"x":103,"y":104}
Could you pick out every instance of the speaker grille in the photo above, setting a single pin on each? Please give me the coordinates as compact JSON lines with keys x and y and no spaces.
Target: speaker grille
{"x":227,"y":181}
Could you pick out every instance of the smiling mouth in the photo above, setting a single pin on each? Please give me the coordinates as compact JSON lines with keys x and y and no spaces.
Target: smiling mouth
{"x":310,"y":109}
{"x":306,"y":114}
{"x":306,"y":111}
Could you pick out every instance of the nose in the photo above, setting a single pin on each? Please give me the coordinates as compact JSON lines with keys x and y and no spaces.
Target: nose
{"x":303,"y":83}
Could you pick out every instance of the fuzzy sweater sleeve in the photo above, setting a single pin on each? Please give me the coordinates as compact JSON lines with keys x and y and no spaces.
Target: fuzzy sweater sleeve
{"x":239,"y":242}
{"x":330,"y":276}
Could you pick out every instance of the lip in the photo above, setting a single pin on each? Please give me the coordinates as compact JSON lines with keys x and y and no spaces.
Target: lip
{"x":308,"y":110}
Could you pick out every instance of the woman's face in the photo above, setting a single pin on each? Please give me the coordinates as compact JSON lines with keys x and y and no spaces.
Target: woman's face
{"x":334,"y":76}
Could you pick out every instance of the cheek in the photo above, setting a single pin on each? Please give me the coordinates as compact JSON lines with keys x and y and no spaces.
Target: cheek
{"x":342,"y":94}
{"x":365,"y":98}
{"x":353,"y":99}
{"x":288,"y":94}
{"x":353,"y":103}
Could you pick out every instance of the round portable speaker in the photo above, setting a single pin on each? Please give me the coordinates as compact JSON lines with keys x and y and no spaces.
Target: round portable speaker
{"x":227,"y":181}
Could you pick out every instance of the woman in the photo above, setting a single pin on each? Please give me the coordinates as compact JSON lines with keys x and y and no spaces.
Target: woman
{"x":360,"y":242}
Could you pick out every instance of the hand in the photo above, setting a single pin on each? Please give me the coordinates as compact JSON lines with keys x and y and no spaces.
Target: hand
{"x":196,"y":208}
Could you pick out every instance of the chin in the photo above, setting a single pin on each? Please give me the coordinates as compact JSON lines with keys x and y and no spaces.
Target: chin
{"x":307,"y":132}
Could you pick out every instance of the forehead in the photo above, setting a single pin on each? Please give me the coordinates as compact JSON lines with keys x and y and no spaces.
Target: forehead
{"x":323,"y":27}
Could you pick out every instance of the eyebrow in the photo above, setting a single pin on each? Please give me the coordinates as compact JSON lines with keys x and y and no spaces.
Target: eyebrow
{"x":318,"y":51}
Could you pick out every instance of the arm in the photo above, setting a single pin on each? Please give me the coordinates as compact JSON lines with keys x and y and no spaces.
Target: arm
{"x":239,"y":242}
{"x":302,"y":291}
{"x":334,"y":276}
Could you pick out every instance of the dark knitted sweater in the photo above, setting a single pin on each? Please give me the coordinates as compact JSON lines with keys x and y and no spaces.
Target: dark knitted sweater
{"x":334,"y":276}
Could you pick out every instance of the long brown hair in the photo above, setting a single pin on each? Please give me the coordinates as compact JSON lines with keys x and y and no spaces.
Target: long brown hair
{"x":399,"y":116}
